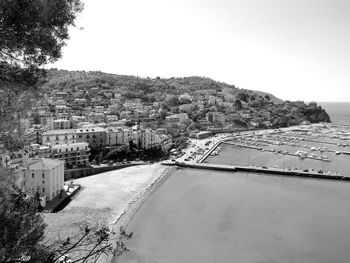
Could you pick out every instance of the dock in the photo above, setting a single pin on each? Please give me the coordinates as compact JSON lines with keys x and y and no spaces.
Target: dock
{"x":273,"y":151}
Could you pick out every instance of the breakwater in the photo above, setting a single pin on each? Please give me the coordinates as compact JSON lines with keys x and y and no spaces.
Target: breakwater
{"x":255,"y":169}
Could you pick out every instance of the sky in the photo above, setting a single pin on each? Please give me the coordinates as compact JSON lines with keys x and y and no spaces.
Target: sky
{"x":294,"y":49}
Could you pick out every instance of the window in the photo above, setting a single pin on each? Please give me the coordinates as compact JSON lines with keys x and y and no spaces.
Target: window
{"x":43,"y":182}
{"x":80,"y":136}
{"x":43,"y":189}
{"x":60,"y":150}
{"x":43,"y":175}
{"x":77,"y":148}
{"x":56,"y":138}
{"x":32,"y":175}
{"x":65,"y":137}
{"x":66,"y":150}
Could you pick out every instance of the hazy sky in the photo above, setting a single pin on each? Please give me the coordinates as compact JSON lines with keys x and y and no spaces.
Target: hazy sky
{"x":295,"y":49}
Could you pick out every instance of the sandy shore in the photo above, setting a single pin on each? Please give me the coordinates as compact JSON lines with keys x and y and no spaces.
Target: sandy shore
{"x":105,"y":199}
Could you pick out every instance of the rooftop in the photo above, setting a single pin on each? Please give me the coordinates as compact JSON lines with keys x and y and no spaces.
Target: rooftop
{"x":43,"y":164}
{"x":58,"y":132}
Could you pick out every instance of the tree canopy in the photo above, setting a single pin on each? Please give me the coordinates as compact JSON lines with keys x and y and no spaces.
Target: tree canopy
{"x":32,"y":33}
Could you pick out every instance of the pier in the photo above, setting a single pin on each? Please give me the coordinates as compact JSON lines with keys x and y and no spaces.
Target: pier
{"x":255,"y":169}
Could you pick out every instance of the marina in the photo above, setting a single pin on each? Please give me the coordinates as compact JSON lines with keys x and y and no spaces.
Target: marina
{"x":289,"y":151}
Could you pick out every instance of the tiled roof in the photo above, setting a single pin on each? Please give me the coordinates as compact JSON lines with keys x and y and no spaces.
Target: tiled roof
{"x":43,"y":164}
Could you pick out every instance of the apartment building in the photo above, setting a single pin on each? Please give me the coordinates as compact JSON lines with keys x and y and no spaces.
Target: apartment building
{"x":72,"y":153}
{"x":95,"y":136}
{"x":55,"y":137}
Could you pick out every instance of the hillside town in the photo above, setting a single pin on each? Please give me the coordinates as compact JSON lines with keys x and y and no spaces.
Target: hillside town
{"x":77,"y":122}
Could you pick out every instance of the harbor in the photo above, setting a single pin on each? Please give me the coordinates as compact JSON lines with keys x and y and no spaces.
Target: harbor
{"x":291,"y":151}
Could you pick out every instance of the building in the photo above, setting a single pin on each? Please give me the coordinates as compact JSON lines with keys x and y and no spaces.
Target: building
{"x":47,"y":122}
{"x":111,"y":118}
{"x":74,"y":154}
{"x":177,"y":119}
{"x":61,"y":95}
{"x":55,"y":137}
{"x":34,"y":135}
{"x":96,"y":117}
{"x":43,"y":176}
{"x":118,"y":136}
{"x":215,"y":117}
{"x":95,"y":136}
{"x":62,"y":110}
{"x":62,"y":124}
{"x":147,"y":139}
{"x":133,"y":104}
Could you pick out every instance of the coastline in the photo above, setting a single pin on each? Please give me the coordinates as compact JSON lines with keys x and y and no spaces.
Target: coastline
{"x":136,"y":204}
{"x":105,"y":199}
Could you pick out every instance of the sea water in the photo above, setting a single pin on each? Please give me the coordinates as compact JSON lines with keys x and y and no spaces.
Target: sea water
{"x":339,"y":112}
{"x":211,"y":216}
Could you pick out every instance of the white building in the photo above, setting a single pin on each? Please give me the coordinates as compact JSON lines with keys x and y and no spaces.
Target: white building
{"x":43,"y":176}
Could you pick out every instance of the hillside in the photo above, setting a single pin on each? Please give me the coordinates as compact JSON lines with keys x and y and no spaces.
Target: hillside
{"x":193,"y":95}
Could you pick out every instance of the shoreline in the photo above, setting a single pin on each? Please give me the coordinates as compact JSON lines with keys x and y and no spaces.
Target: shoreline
{"x":135,"y":205}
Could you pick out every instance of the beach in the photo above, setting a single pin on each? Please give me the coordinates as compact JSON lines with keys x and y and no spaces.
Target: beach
{"x":103,"y":199}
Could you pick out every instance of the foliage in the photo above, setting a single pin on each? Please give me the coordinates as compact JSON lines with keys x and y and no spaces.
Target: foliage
{"x":21,"y":228}
{"x":32,"y":33}
{"x":22,"y":232}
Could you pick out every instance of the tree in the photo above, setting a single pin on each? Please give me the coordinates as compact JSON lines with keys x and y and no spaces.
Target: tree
{"x":21,"y":228}
{"x":32,"y":34}
{"x":22,"y":232}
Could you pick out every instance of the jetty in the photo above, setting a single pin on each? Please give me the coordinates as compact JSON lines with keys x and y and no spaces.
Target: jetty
{"x":256,"y":169}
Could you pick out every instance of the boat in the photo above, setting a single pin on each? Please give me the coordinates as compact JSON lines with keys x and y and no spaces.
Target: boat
{"x":337,"y":152}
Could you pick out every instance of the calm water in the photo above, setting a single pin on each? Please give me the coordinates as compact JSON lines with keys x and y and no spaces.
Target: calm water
{"x":234,"y":155}
{"x":206,"y":217}
{"x":338,"y":111}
